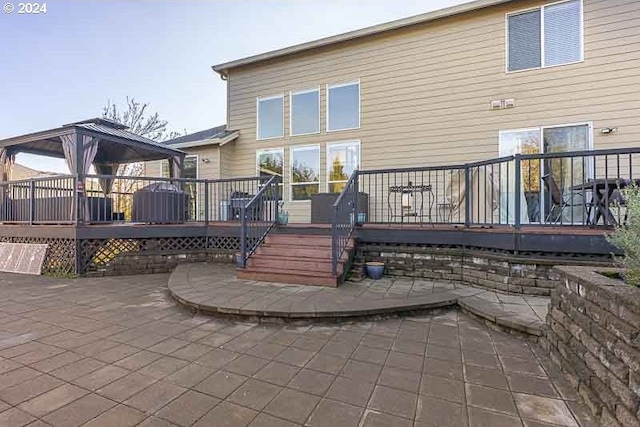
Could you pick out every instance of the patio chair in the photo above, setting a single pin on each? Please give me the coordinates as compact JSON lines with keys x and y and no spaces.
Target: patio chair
{"x":560,"y":201}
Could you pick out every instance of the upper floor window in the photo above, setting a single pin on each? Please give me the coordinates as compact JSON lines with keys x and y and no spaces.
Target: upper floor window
{"x":271,"y":117}
{"x":546,"y":36}
{"x":305,"y":112}
{"x":343,"y":106}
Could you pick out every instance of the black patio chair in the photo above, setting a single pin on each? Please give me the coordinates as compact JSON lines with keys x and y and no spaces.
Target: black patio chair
{"x":559,"y":202}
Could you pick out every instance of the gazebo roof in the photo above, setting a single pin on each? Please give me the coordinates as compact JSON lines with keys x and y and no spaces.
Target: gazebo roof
{"x":117,"y":144}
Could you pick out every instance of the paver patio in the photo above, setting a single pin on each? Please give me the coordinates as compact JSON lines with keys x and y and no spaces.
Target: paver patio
{"x":120,"y":352}
{"x":214,"y":288}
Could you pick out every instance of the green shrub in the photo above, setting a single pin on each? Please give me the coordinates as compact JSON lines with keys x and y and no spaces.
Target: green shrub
{"x":626,"y":237}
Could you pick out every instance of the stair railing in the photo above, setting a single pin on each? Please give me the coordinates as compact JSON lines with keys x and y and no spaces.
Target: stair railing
{"x":258,"y":217}
{"x":345,"y":218}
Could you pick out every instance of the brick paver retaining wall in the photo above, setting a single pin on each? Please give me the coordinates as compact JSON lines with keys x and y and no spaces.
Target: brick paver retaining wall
{"x":594,"y":336}
{"x":506,"y":273}
{"x":148,"y":263}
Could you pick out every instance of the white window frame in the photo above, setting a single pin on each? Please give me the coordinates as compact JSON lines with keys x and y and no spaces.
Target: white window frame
{"x":336,"y":85}
{"x":329,"y":163}
{"x":291,"y":183}
{"x":541,"y":129}
{"x":542,"y":41}
{"x":300,"y":92}
{"x":266,"y":98}
{"x":269,"y":151}
{"x":197,"y":156}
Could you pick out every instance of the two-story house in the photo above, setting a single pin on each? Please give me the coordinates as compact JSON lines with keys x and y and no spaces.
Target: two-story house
{"x":476,"y":81}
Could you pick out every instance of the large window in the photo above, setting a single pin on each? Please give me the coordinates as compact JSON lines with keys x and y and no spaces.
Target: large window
{"x":271,"y":117}
{"x":305,"y":112}
{"x":546,"y":36}
{"x":305,"y":172}
{"x":343,"y":106}
{"x":342,"y":159}
{"x":190,"y":171}
{"x":271,"y":163}
{"x":540,"y":178}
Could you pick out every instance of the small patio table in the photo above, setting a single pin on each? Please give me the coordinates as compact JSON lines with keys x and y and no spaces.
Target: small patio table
{"x":603,"y":194}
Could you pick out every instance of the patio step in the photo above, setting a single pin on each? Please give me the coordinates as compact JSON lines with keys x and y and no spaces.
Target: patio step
{"x":303,"y":259}
{"x":295,"y":277}
{"x":294,"y":263}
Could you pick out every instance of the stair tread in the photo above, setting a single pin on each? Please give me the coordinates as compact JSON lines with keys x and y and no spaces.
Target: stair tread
{"x":289,"y":271}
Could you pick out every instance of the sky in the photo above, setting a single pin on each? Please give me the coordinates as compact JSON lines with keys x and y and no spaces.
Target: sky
{"x":66,"y":64}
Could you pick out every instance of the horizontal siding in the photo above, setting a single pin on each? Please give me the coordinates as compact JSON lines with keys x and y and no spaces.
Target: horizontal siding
{"x":426,"y":90}
{"x":206,"y":170}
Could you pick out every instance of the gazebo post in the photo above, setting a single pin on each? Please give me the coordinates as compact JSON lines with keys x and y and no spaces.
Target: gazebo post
{"x":79,"y":172}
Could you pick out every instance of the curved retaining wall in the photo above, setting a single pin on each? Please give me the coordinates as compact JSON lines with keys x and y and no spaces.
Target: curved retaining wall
{"x":593,"y":335}
{"x":499,"y":272}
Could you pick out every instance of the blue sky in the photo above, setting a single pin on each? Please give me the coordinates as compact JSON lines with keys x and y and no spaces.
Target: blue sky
{"x":65,"y":65}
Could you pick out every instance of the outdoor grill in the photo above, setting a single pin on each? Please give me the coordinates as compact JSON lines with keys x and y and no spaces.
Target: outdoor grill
{"x":160,"y":203}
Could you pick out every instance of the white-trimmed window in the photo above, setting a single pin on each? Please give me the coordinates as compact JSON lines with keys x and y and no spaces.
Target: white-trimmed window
{"x":270,"y":117}
{"x":271,"y":163}
{"x":342,"y":159}
{"x":343,"y":106}
{"x":545,"y":36}
{"x":305,"y":172}
{"x":305,"y":112}
{"x":189,"y":171}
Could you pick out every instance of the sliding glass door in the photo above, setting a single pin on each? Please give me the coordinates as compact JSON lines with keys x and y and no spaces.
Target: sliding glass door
{"x":547,"y":194}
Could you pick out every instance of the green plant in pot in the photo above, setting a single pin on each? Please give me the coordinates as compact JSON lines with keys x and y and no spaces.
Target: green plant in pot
{"x":626,"y":237}
{"x":283,"y":216}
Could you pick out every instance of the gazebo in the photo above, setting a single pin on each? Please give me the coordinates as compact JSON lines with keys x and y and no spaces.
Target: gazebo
{"x":103,"y":143}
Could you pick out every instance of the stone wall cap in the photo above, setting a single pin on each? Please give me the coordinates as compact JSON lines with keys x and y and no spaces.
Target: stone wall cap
{"x":618,"y":290}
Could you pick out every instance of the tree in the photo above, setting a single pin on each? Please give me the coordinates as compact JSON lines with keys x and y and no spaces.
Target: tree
{"x":134,"y":116}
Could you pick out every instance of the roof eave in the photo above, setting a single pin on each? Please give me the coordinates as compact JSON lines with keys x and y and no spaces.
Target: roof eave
{"x":223,"y":68}
{"x":209,"y":141}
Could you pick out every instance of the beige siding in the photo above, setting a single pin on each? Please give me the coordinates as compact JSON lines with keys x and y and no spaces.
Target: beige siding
{"x":206,"y":170}
{"x":425,"y":91}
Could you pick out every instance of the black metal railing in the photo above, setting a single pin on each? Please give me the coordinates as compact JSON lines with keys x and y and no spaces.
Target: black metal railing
{"x":579,"y":188}
{"x":167,"y":200}
{"x":346,"y":215}
{"x":47,"y":200}
{"x":258,"y":216}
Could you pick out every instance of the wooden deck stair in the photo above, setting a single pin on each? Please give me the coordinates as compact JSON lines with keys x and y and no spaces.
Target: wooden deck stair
{"x":302,"y":259}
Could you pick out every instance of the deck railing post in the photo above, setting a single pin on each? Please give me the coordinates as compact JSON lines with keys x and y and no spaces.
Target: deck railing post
{"x":356,"y":190}
{"x":32,"y":203}
{"x":334,"y":242}
{"x":518,"y":190}
{"x":206,"y":202}
{"x":243,"y":237}
{"x":467,"y":196}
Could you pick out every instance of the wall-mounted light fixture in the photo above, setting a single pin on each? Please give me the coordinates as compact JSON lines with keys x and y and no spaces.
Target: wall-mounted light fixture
{"x":205,"y":160}
{"x":608,"y":131}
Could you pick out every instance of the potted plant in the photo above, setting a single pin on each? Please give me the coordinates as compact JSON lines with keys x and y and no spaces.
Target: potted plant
{"x":375,"y":269}
{"x":283,"y":216}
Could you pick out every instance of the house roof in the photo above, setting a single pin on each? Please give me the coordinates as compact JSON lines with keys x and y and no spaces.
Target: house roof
{"x":218,"y":135}
{"x":363,"y":32}
{"x":118,"y":144}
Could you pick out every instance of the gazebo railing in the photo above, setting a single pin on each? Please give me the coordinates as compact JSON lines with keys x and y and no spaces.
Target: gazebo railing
{"x":47,"y":200}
